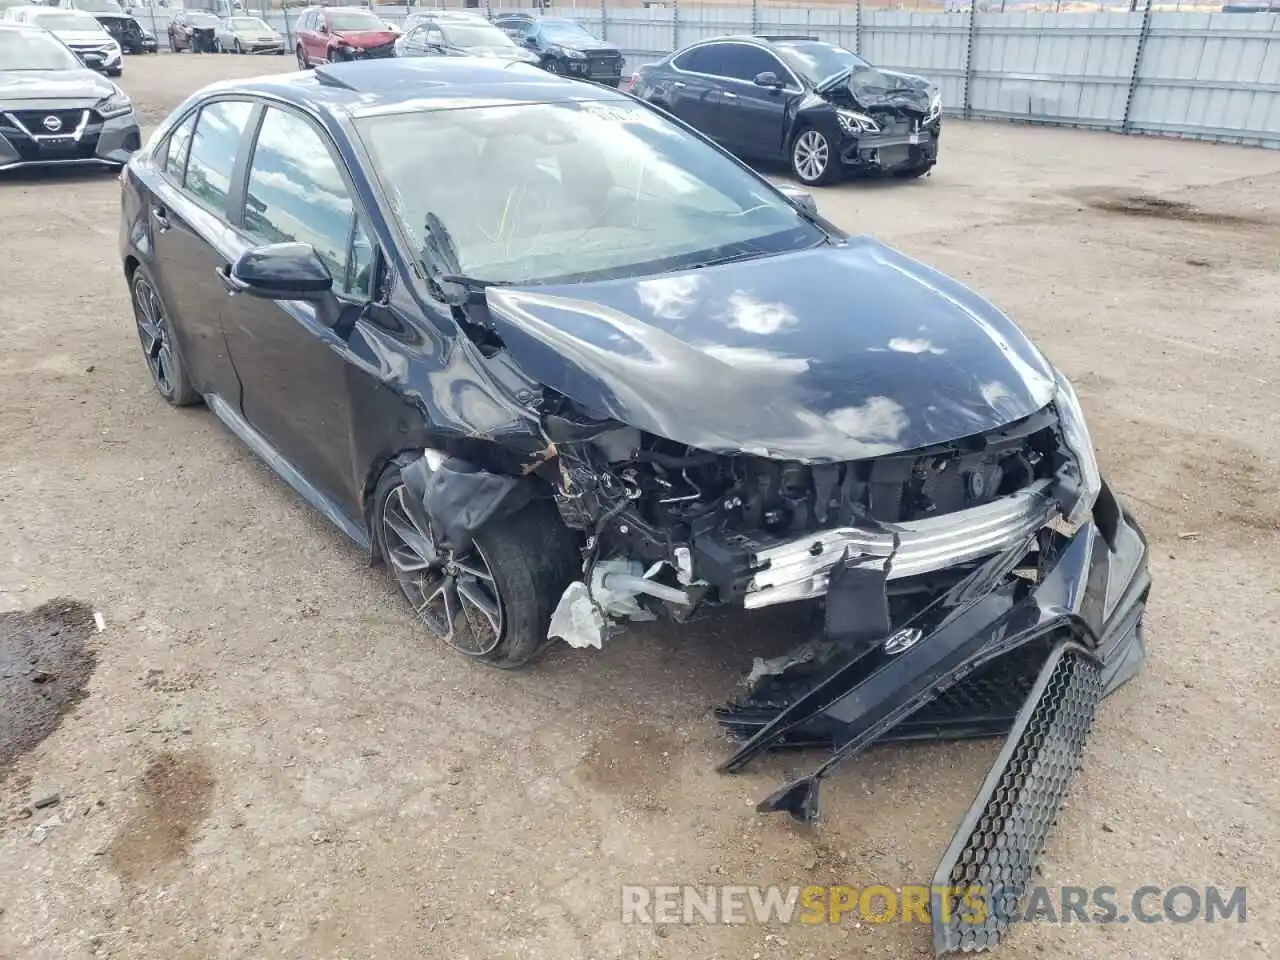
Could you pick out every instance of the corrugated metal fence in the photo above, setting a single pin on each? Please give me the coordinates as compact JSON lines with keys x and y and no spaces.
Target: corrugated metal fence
{"x":1207,"y":76}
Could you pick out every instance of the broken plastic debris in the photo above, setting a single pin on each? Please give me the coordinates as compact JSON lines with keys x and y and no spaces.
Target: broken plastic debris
{"x":576,"y":619}
{"x":775,"y":666}
{"x":99,"y":621}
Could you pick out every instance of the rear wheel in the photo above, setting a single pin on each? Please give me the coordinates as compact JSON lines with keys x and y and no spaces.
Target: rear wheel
{"x":236,"y":48}
{"x":813,"y":160}
{"x":160,"y":347}
{"x":492,"y":601}
{"x":303,"y":63}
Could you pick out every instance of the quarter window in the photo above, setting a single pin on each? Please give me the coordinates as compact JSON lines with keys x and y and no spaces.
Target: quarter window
{"x":213,"y":151}
{"x":297,"y":194}
{"x":175,"y":159}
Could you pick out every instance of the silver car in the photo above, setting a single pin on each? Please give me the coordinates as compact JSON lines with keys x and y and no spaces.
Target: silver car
{"x":56,"y":111}
{"x":244,"y":34}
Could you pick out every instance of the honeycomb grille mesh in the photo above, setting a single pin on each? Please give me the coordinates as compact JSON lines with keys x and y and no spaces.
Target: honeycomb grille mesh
{"x":990,"y":872}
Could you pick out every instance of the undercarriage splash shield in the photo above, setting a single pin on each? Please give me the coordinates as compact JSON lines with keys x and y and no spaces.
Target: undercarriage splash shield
{"x":988,"y":868}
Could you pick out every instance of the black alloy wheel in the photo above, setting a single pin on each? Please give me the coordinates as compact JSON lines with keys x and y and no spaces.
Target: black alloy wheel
{"x":159,"y":347}
{"x":455,"y":596}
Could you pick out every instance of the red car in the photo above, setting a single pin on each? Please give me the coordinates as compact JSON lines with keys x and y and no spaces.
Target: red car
{"x":329,"y":34}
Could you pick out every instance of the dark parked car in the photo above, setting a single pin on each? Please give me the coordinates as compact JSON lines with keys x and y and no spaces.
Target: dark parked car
{"x":814,"y":105}
{"x":123,"y":27}
{"x":334,"y":34}
{"x":194,"y":31}
{"x":54,"y":111}
{"x":560,"y":362}
{"x":455,"y":36}
{"x":565,"y":47}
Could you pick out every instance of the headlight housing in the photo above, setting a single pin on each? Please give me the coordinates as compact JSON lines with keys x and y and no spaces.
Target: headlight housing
{"x":935,"y":107}
{"x":1076,"y":436}
{"x":573,"y":54}
{"x":851,"y":122}
{"x":116,"y":105}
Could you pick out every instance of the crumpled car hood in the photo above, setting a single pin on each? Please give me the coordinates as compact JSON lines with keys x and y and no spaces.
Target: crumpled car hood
{"x":873,"y":87}
{"x":836,"y":353}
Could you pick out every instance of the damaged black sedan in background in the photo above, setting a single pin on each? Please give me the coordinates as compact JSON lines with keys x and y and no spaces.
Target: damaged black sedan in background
{"x":816,"y":106}
{"x":595,"y":370}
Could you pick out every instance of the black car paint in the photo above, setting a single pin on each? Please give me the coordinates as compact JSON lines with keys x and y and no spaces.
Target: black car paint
{"x":552,"y":51}
{"x":128,"y":32}
{"x":761,"y":121}
{"x":841,"y":352}
{"x":329,"y":396}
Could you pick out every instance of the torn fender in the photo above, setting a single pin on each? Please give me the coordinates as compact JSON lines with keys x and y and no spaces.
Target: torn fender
{"x":458,"y":498}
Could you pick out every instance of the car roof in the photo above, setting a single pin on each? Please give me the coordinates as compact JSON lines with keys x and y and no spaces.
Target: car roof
{"x":395,"y":85}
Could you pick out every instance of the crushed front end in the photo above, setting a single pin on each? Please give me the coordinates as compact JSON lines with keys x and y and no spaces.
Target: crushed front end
{"x":988,"y":586}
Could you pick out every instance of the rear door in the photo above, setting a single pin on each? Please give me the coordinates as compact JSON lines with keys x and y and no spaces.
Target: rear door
{"x":692,"y":88}
{"x":293,"y":368}
{"x":190,"y":235}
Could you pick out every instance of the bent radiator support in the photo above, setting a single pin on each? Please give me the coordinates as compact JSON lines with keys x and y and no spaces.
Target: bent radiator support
{"x":988,"y":868}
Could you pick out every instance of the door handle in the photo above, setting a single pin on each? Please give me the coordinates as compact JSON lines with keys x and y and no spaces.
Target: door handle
{"x":728,"y":94}
{"x":161,"y":218}
{"x":678,"y":84}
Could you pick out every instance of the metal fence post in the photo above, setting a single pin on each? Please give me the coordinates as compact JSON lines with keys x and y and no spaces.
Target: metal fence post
{"x":675,"y":25}
{"x":857,"y":29}
{"x":755,"y":16}
{"x":1125,"y":125}
{"x":604,"y":20}
{"x":968,"y":61}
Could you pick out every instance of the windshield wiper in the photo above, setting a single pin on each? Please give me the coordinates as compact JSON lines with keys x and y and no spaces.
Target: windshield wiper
{"x":440,"y":257}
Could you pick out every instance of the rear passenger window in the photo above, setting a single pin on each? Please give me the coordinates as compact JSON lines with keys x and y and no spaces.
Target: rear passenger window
{"x":213,"y":151}
{"x":174,"y":162}
{"x":701,"y":59}
{"x":296,"y":193}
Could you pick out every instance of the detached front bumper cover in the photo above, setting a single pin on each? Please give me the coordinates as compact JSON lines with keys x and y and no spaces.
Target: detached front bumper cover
{"x":996,"y":654}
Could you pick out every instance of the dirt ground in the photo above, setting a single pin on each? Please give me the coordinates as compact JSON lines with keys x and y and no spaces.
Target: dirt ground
{"x":271,"y":761}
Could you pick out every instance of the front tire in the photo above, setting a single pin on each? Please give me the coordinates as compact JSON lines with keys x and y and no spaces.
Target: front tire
{"x":494,"y":601}
{"x":160,"y":348}
{"x":236,"y":48}
{"x":813,"y":158}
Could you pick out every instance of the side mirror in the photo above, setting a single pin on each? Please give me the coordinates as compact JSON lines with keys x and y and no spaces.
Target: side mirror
{"x":801,"y":199}
{"x":281,"y":271}
{"x":767,"y":79}
{"x":323,"y":28}
{"x":530,"y":42}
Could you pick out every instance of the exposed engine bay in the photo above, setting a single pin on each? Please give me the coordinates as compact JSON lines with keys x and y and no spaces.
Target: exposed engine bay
{"x":704,"y":530}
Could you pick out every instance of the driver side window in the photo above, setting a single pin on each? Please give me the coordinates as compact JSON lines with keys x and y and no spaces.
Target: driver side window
{"x":296,"y":193}
{"x":434,"y":36}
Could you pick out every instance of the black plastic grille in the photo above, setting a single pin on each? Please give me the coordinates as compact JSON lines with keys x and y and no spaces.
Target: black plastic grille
{"x":33,"y":120}
{"x":989,"y":866}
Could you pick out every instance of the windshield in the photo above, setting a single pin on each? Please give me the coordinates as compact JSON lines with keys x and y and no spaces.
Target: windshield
{"x":67,"y":20}
{"x":98,"y":6}
{"x":475,"y":35}
{"x":564,"y":30}
{"x":355,"y":20}
{"x":816,"y":62}
{"x":34,"y":50}
{"x":531,"y":193}
{"x":248,"y":23}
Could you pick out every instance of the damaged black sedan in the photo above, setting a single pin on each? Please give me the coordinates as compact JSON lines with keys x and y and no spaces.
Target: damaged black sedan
{"x":814,"y":105}
{"x":595,"y":370}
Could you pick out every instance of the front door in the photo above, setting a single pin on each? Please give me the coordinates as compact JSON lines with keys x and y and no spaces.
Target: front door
{"x":293,"y":368}
{"x":754,"y":115}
